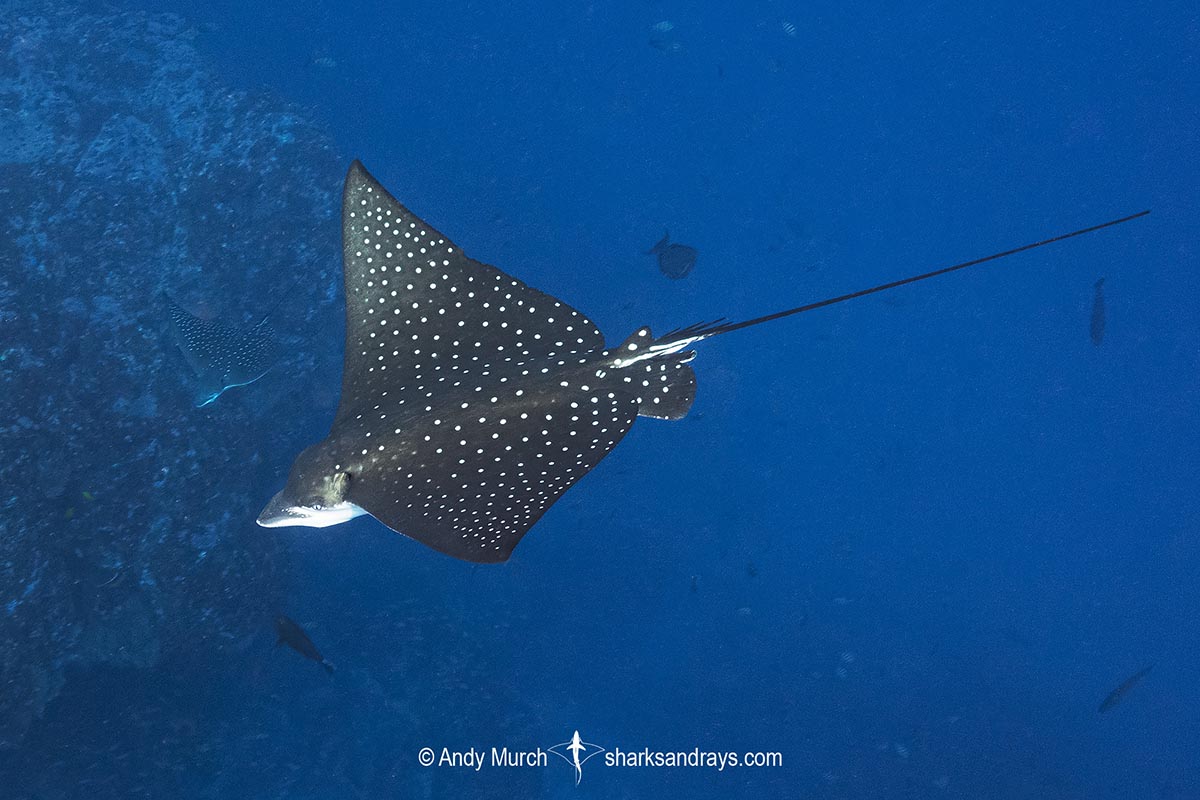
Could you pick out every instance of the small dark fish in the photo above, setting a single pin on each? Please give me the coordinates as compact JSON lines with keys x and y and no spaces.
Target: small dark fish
{"x":751,"y":570}
{"x":1118,"y":694}
{"x":674,"y":260}
{"x":294,"y":637}
{"x":695,"y":584}
{"x":1098,"y":314}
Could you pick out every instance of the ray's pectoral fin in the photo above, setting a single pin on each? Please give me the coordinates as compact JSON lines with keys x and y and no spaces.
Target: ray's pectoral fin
{"x":466,"y":408}
{"x":474,"y":484}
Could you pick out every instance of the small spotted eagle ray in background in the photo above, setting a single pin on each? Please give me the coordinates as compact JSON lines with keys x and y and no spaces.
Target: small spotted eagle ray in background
{"x":221,"y":355}
{"x":470,"y":401}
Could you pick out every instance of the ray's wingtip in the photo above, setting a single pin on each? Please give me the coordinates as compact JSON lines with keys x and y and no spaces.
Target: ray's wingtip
{"x":356,"y":171}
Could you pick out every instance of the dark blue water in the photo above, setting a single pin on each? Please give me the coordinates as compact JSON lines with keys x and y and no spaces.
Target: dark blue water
{"x":909,"y":542}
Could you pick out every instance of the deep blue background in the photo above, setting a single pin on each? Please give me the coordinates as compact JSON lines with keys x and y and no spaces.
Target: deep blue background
{"x":994,"y":520}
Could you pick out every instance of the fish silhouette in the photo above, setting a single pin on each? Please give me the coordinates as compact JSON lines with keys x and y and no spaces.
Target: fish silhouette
{"x":1118,"y":694}
{"x":221,"y":355}
{"x":471,"y":401}
{"x":674,"y":260}
{"x":294,"y":637}
{"x":1098,"y":314}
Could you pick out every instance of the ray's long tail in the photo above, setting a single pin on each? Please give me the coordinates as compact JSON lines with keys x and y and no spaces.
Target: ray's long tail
{"x":683,"y":337}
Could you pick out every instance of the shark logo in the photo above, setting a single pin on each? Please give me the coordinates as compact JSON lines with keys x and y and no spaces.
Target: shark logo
{"x":576,"y":752}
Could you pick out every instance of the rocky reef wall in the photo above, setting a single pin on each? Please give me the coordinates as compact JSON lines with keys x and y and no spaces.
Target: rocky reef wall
{"x":126,"y":169}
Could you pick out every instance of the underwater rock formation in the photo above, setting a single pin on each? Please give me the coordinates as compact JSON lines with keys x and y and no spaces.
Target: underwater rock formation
{"x":127,"y":529}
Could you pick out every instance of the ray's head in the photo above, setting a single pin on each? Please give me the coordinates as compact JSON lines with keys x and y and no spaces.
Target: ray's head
{"x":317,"y":494}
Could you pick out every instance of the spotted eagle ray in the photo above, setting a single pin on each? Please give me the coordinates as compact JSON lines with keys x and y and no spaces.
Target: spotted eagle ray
{"x":470,"y":401}
{"x":221,"y":355}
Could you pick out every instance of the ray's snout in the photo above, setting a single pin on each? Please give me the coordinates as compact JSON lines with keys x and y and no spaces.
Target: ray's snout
{"x":313,"y":497}
{"x":285,"y":510}
{"x":277,"y":513}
